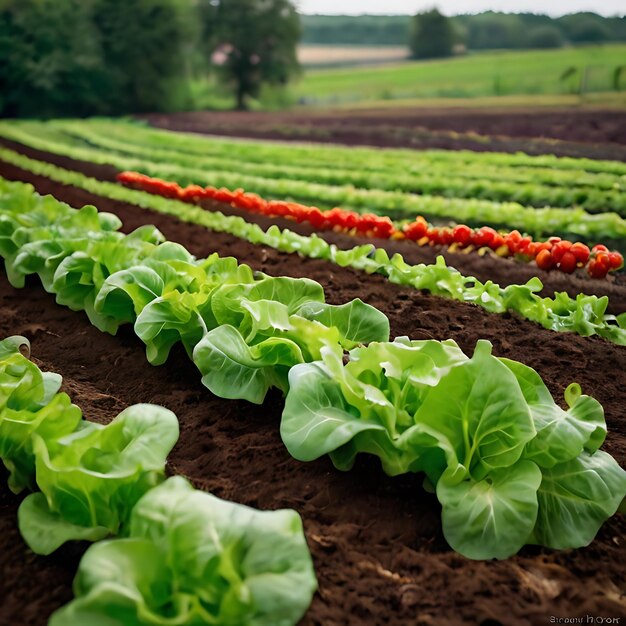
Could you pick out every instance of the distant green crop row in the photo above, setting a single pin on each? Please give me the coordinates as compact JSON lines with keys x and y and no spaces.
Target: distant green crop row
{"x":585,"y":315}
{"x":398,"y":205}
{"x":356,"y":157}
{"x":425,"y":182}
{"x":466,"y":165}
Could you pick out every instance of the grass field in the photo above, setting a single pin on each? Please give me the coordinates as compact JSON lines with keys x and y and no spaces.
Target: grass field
{"x":536,"y":72}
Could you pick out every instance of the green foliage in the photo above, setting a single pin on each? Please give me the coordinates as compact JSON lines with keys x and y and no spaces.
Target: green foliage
{"x":370,"y":30}
{"x":50,"y":59}
{"x":30,"y":406}
{"x":432,"y":36}
{"x":141,"y":44}
{"x":509,"y":465}
{"x":95,"y":57}
{"x":489,"y":30}
{"x":545,"y":37}
{"x":191,"y":558}
{"x":256,"y":40}
{"x":91,"y":479}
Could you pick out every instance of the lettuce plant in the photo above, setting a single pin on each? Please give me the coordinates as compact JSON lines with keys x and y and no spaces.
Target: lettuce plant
{"x":190,"y":558}
{"x":509,"y":465}
{"x":91,"y":479}
{"x":266,"y":327}
{"x":29,"y":407}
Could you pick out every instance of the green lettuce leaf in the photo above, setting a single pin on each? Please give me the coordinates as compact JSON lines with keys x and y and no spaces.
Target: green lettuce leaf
{"x":492,"y":517}
{"x":93,"y":477}
{"x":575,"y":499}
{"x":192,"y":558}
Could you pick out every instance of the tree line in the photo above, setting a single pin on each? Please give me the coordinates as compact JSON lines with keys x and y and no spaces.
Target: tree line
{"x":110,"y":57}
{"x":483,"y":31}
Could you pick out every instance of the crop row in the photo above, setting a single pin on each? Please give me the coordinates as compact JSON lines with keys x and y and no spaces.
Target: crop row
{"x":519,"y":167}
{"x":565,"y":255}
{"x":502,"y":456}
{"x":396,"y":205}
{"x":585,"y":315}
{"x":424,"y":182}
{"x":93,"y":482}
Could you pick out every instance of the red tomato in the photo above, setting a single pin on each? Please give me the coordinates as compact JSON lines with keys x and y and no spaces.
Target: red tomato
{"x":596,"y":270}
{"x":513,"y":237}
{"x":416,"y":230}
{"x":568,"y":263}
{"x":544,"y":260}
{"x":433,"y":235}
{"x":559,"y":249}
{"x":599,"y":248}
{"x":580,"y":251}
{"x":462,"y":234}
{"x":497,"y":242}
{"x":616,"y":260}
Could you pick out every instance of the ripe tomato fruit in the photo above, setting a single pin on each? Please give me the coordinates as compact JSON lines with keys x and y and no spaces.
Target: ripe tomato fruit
{"x":596,"y":270}
{"x":581,"y":252}
{"x":568,"y":262}
{"x":559,"y":249}
{"x":462,"y":234}
{"x":544,"y":260}
{"x":616,"y":260}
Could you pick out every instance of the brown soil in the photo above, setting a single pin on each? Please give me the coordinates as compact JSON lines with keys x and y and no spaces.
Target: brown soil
{"x":488,"y":267}
{"x":376,"y":541}
{"x":592,"y":133}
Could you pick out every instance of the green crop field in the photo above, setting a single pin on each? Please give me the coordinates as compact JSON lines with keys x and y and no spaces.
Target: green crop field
{"x":539,"y":72}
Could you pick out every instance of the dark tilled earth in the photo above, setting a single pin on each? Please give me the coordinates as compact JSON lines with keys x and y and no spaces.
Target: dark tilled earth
{"x":376,"y":541}
{"x":572,"y":131}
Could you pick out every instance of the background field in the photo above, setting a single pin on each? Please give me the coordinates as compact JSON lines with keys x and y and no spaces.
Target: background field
{"x":345,"y":55}
{"x":537,"y":72}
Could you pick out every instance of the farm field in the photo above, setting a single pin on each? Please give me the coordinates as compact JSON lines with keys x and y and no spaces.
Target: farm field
{"x":382,"y":549}
{"x":323,"y":55}
{"x":593,"y":132}
{"x":480,"y":74}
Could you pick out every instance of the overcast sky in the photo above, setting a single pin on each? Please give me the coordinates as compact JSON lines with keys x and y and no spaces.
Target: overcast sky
{"x":452,"y":7}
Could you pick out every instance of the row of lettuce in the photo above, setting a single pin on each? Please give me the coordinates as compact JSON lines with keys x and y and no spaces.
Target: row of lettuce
{"x":585,"y":315}
{"x":495,"y":167}
{"x":555,"y":253}
{"x":518,"y":167}
{"x":607,"y":195}
{"x":397,"y":205}
{"x":509,"y":466}
{"x":170,"y":553}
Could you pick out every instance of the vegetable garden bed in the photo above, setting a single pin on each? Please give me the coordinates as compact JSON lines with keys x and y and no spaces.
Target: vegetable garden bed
{"x":377,"y":544}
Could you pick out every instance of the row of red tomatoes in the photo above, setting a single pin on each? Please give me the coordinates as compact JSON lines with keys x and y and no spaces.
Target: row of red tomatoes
{"x":554,"y":253}
{"x":333,"y":219}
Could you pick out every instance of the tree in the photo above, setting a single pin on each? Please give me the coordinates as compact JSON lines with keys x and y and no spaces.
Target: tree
{"x":91,"y":57}
{"x":544,"y":37}
{"x":252,"y":42}
{"x":141,"y":41}
{"x":50,"y":54}
{"x":432,"y":35}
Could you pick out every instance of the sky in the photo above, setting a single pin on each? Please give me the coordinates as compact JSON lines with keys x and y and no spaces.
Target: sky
{"x":453,"y":7}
